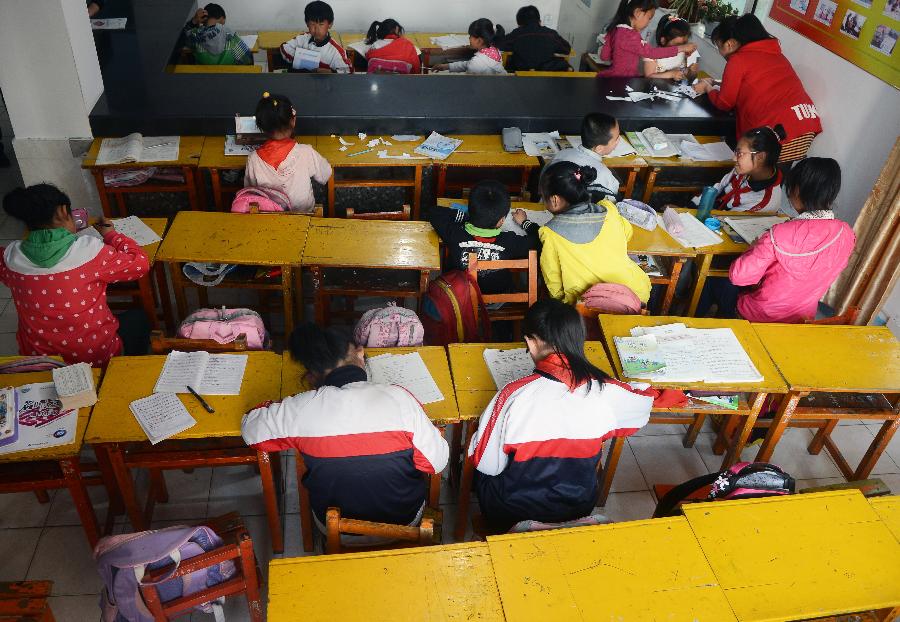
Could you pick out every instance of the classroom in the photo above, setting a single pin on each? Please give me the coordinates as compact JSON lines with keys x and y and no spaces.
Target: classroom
{"x":513,"y":310}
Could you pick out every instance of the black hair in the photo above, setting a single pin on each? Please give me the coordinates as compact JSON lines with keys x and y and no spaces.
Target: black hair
{"x":274,"y":113}
{"x":318,"y":11}
{"x":488,"y":203}
{"x":816,"y":181}
{"x":671,"y":27}
{"x":569,"y":181}
{"x":319,"y":349}
{"x":35,"y":205}
{"x":724,"y":31}
{"x":559,"y":326}
{"x":215,"y":11}
{"x":528,"y":15}
{"x":626,"y":10}
{"x":483,"y":29}
{"x":744,"y":29}
{"x":379,"y":30}
{"x":766,"y":140}
{"x":596,"y":129}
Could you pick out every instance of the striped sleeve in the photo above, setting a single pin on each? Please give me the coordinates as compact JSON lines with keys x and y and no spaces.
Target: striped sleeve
{"x":487,"y":449}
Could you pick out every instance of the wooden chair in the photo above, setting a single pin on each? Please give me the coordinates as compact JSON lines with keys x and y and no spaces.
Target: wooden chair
{"x":317,"y":212}
{"x":592,"y":324}
{"x":847,"y":318}
{"x":402,"y":214}
{"x":160,"y":344}
{"x":26,"y":601}
{"x":515,"y":304}
{"x":238,"y":547}
{"x":399,"y":536}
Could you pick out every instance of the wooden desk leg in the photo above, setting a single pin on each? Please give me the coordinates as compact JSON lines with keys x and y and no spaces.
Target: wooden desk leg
{"x":165,"y":301}
{"x":72,"y":475}
{"x":319,"y":306}
{"x":329,"y":209}
{"x":306,"y":521}
{"x":125,"y":485}
{"x":824,"y":432}
{"x":651,"y":182}
{"x":776,"y":429}
{"x":441,"y":180}
{"x":629,"y":183}
{"x":736,"y":447}
{"x":434,"y":491}
{"x":298,"y":294}
{"x":101,"y":191}
{"x":882,"y":438}
{"x":417,"y":193}
{"x":455,"y":452}
{"x":178,"y":287}
{"x":669,"y":296}
{"x":465,"y":484}
{"x":609,"y":469}
{"x":216,"y":182}
{"x":116,"y":507}
{"x":191,"y":183}
{"x":287,"y":295}
{"x":424,"y":277}
{"x":147,"y":300}
{"x":271,"y":500}
{"x":526,"y":175}
{"x":120,"y":203}
{"x":702,"y":271}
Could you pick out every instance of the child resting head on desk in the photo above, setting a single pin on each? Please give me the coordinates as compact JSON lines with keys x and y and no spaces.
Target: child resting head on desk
{"x":281,"y":162}
{"x":539,"y":441}
{"x":211,"y":42}
{"x":366,"y":446}
{"x":585,"y":243}
{"x":319,"y":18}
{"x":487,"y":59}
{"x":599,"y":136}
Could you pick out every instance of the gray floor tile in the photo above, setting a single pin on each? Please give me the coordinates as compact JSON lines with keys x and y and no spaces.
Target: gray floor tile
{"x":63,"y":556}
{"x":17,"y":547}
{"x":22,"y":509}
{"x":75,"y":608}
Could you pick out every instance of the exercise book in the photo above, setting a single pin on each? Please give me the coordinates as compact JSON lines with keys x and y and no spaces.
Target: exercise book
{"x":207,"y":374}
{"x":405,"y":370}
{"x":508,"y":365}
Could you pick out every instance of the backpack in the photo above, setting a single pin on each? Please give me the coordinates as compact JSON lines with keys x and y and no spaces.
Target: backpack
{"x":381,"y":65}
{"x":123,"y":560}
{"x":453,"y":310}
{"x":225,"y":325}
{"x":266,"y":200}
{"x":611,"y":298}
{"x":389,"y":327}
{"x":743,"y":480}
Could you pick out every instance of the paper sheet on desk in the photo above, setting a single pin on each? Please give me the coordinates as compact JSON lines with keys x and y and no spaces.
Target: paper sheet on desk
{"x":448,"y":42}
{"x":508,"y":365}
{"x":249,"y":40}
{"x":752,"y":227}
{"x":694,"y":235}
{"x":408,"y":371}
{"x":538,"y":216}
{"x":623,"y":147}
{"x":540,"y":144}
{"x":709,"y":152}
{"x":161,"y":415}
{"x":137,"y":230}
{"x":232,"y":148}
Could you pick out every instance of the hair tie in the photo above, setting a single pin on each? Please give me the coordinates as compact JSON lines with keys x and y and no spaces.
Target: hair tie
{"x":673,"y":18}
{"x":266,"y":95}
{"x":578,"y":175}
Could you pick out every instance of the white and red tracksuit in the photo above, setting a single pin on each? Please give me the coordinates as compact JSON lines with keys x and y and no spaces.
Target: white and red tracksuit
{"x":538,"y":443}
{"x":739,"y":193}
{"x":333,"y":55}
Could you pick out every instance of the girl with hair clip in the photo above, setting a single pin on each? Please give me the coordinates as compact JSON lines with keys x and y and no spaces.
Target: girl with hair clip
{"x":624,"y":46}
{"x":672,"y":30}
{"x":487,"y":59}
{"x":584,"y":243}
{"x":386,"y":42}
{"x":281,"y":163}
{"x":538,"y":442}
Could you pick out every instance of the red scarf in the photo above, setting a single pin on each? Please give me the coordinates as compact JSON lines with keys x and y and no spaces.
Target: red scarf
{"x":738,"y":188}
{"x":557,"y":367}
{"x":273,"y":152}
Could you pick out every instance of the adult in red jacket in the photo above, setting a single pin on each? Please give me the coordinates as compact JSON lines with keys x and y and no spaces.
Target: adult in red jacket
{"x":760,"y":84}
{"x":385,"y":41}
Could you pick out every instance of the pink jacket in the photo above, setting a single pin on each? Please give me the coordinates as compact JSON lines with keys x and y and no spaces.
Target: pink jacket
{"x":292,"y":176}
{"x":793,"y":264}
{"x":625,"y":48}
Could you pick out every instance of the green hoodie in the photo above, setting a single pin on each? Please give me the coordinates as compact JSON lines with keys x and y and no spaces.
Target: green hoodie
{"x":45,"y":247}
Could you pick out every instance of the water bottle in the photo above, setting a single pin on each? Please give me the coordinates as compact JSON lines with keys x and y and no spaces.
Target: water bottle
{"x":707,"y":200}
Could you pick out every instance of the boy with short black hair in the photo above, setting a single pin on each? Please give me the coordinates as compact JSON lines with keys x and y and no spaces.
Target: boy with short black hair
{"x":599,"y":136}
{"x":533,"y":46}
{"x":211,"y":42}
{"x":317,"y":43}
{"x":479,"y":231}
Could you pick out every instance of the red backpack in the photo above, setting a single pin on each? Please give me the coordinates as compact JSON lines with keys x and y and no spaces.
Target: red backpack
{"x":453,"y":311}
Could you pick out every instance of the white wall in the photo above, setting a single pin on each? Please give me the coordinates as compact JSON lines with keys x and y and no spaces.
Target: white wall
{"x":581,"y":25}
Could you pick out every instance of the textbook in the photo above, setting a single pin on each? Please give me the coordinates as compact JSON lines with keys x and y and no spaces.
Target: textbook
{"x":137,"y":148}
{"x":750,"y":228}
{"x":508,"y":365}
{"x":640,"y":356}
{"x":9,"y":422}
{"x":161,"y":416}
{"x":75,"y":386}
{"x":405,"y":370}
{"x":438,"y":146}
{"x":207,"y":374}
{"x":35,"y":409}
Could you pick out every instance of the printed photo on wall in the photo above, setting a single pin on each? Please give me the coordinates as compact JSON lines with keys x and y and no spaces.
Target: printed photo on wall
{"x":865,"y":3}
{"x":852,"y":24}
{"x":825,"y":11}
{"x":892,"y":9}
{"x":800,"y":6}
{"x":885,"y":39}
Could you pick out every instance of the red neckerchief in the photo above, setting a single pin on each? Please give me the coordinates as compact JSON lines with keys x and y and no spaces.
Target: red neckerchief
{"x":392,"y":36}
{"x":273,"y":152}
{"x":738,"y":188}
{"x":557,"y":367}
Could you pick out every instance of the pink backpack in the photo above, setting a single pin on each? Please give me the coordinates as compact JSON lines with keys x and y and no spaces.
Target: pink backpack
{"x":389,"y":327}
{"x":225,"y":325}
{"x":381,"y":65}
{"x":611,"y":298}
{"x":266,"y":199}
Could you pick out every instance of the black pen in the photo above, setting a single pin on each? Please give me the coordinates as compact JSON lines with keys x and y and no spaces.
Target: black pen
{"x":202,"y":401}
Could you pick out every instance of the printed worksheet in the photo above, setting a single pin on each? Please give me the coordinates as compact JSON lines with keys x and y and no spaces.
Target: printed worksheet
{"x":137,"y":230}
{"x":508,"y":365}
{"x":408,"y":371}
{"x":161,"y":416}
{"x":538,"y":216}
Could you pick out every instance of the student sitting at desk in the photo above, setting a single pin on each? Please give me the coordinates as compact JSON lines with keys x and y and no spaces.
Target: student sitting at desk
{"x":585,"y":243}
{"x":487,"y":59}
{"x":366,"y":446}
{"x":534,"y":47}
{"x":317,"y":43}
{"x":538,"y":442}
{"x":58,"y":280}
{"x":211,"y":42}
{"x":387,"y":43}
{"x":672,"y":30}
{"x":282,"y":163}
{"x":599,"y":136}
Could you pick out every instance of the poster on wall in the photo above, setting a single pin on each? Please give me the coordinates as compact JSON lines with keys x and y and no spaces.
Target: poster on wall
{"x":864,"y":32}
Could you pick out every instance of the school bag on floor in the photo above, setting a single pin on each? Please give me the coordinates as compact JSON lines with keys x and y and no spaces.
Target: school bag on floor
{"x":266,"y":200}
{"x":453,"y":310}
{"x":389,"y":327}
{"x":225,"y":325}
{"x":122,"y":562}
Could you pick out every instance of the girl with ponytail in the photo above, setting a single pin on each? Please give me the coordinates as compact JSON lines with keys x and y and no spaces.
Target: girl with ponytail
{"x":487,"y":59}
{"x":672,"y":30}
{"x":385,"y":42}
{"x":584,"y":243}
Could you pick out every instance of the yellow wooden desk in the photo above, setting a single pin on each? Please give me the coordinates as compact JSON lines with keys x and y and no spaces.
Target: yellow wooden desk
{"x":888,"y":509}
{"x":422,"y":40}
{"x":216,"y":69}
{"x":556,"y":74}
{"x":799,"y":557}
{"x":275,"y":240}
{"x":188,"y":158}
{"x":658,"y":164}
{"x":483,"y":151}
{"x":214,"y":160}
{"x":271,"y":40}
{"x":344,"y":161}
{"x":452,"y":583}
{"x":361,"y":244}
{"x":40,"y":470}
{"x":215,"y":440}
{"x":862,"y":360}
{"x":634,"y":571}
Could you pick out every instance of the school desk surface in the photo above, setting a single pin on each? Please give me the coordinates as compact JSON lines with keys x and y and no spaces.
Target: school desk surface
{"x":140,"y":96}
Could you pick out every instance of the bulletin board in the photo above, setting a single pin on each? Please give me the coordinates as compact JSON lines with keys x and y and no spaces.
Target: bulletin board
{"x":865,"y":32}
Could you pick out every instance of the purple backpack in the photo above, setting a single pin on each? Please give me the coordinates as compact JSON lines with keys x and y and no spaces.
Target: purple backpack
{"x":389,"y":327}
{"x":123,"y":560}
{"x":265,"y":199}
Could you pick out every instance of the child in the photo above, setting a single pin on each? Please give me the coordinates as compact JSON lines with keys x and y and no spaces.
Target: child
{"x":624,"y":46}
{"x":479,"y":232}
{"x":282,"y":163}
{"x":599,"y":136}
{"x":754,"y":185}
{"x":58,"y":280}
{"x":585,"y":243}
{"x":487,"y":59}
{"x":793,"y":265}
{"x":538,"y":442}
{"x":366,"y":446}
{"x":211,"y":42}
{"x":319,"y":18}
{"x":533,"y":46}
{"x":386,"y":42}
{"x":672,"y":30}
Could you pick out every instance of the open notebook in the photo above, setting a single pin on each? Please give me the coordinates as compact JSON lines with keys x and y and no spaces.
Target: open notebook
{"x":508,"y":365}
{"x":207,"y":374}
{"x":137,"y":148}
{"x":406,"y":370}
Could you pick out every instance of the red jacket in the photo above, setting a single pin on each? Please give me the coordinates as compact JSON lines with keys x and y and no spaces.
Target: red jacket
{"x":393,"y":47}
{"x":761,"y":85}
